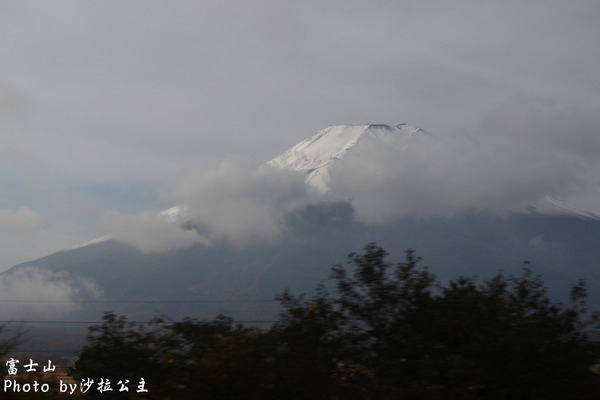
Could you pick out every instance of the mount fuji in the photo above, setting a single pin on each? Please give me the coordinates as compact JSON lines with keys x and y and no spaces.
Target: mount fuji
{"x":315,"y":155}
{"x":559,"y":241}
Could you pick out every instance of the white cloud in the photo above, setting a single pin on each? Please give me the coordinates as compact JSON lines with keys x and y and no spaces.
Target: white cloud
{"x":29,"y":292}
{"x":240,"y":201}
{"x":24,"y":221}
{"x":518,"y":154}
{"x":237,"y":201}
{"x":21,"y":235}
{"x":151,"y":232}
{"x":25,"y":234}
{"x":97,"y":97}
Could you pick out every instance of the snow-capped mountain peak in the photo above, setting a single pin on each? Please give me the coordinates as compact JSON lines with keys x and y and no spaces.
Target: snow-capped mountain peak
{"x":315,"y":154}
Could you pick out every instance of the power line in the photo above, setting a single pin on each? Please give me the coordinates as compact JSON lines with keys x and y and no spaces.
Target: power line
{"x":136,"y":301}
{"x":129,"y":322}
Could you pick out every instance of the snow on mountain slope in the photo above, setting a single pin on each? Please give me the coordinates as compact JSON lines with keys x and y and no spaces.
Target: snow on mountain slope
{"x":315,"y":154}
{"x":176,"y":214}
{"x":318,"y":153}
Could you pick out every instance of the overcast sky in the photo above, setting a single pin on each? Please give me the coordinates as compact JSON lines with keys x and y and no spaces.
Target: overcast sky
{"x":106,"y":105}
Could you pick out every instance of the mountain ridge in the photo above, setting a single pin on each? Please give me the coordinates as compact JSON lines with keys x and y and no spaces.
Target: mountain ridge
{"x":316,"y":154}
{"x":559,"y":242}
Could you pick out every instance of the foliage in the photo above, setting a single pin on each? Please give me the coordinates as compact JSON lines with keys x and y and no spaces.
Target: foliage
{"x":117,"y":351}
{"x":304,"y":349}
{"x":392,"y":330}
{"x":179,"y":360}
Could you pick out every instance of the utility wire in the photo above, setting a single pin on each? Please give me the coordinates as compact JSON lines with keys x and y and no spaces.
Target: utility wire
{"x":137,"y":301}
{"x":128,"y":322}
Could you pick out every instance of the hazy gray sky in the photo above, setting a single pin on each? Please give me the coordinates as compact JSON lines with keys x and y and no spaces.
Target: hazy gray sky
{"x":106,"y":106}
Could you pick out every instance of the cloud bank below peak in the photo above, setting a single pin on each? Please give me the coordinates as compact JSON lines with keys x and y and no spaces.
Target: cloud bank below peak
{"x":518,"y":154}
{"x":237,"y":201}
{"x":29,"y":292}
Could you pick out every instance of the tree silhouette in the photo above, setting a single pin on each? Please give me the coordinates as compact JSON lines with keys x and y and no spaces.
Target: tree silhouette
{"x":406,"y":333}
{"x":390,"y":330}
